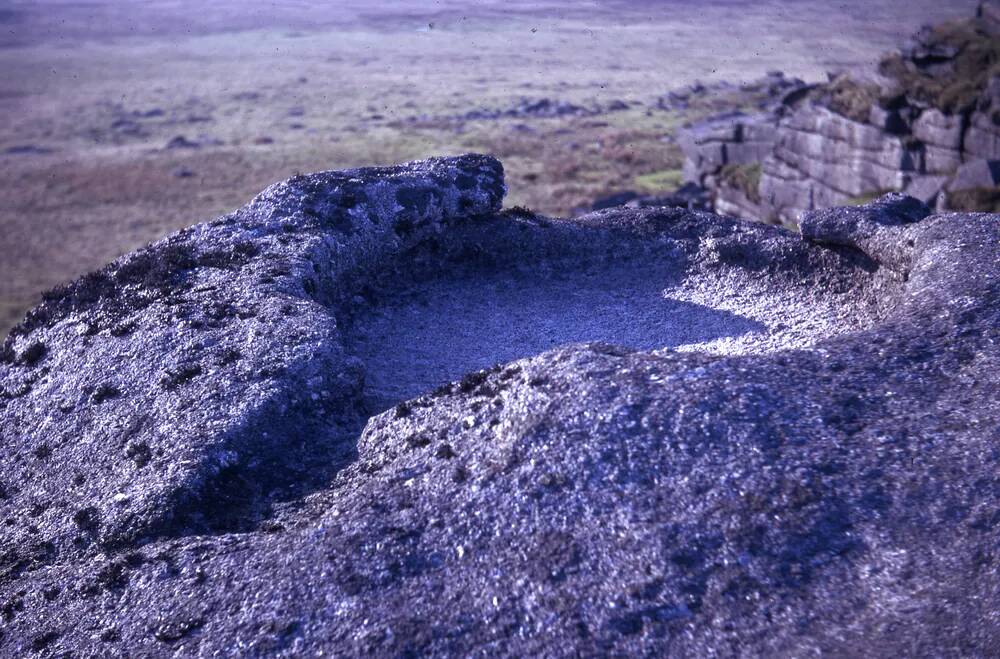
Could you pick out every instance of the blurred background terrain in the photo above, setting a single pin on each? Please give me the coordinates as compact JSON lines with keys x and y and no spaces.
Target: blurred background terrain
{"x":124,"y":120}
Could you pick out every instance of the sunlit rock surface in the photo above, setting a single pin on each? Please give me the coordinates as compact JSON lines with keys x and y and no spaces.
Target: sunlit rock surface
{"x":372,"y":412}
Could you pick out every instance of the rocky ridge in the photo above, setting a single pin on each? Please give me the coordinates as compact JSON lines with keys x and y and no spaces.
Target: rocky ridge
{"x":801,"y":457}
{"x":925,"y":122}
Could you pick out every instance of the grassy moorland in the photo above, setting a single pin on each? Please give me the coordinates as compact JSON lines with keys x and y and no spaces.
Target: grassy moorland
{"x":124,"y":120}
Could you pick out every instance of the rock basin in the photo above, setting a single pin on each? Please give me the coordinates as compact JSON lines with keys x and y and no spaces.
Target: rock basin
{"x":507,"y":287}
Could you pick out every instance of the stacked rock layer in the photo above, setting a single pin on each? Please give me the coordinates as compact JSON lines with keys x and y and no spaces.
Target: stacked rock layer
{"x":926,"y":122}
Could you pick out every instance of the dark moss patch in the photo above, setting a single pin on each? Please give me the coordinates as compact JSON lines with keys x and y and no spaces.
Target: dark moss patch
{"x":118,"y":290}
{"x":518,"y":212}
{"x":87,"y":519}
{"x":123,"y":329}
{"x":139,"y":453}
{"x":404,"y":227}
{"x":444,"y":452}
{"x":229,"y":258}
{"x":417,"y":199}
{"x":113,"y":576}
{"x":229,"y":356}
{"x":44,"y":640}
{"x":418,"y":441}
{"x":33,"y":354}
{"x":471,"y":381}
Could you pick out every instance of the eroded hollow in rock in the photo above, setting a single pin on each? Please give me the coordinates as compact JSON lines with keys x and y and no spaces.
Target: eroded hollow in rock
{"x":434,"y":333}
{"x":427,"y":327}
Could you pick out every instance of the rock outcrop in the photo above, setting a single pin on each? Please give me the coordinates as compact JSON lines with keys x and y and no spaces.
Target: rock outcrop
{"x":706,"y":437}
{"x":735,"y":137}
{"x":909,"y":126}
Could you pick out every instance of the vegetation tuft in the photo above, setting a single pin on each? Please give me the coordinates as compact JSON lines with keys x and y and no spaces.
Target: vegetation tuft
{"x":664,"y":180}
{"x":851,"y":98}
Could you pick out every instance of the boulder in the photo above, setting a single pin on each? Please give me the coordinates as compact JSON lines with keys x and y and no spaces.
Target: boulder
{"x":735,"y":203}
{"x":822,"y":121}
{"x":938,"y":159}
{"x":934,"y":127}
{"x":982,"y":139}
{"x":926,"y":188}
{"x":853,"y":176}
{"x":923,"y":112}
{"x":737,"y":495}
{"x":729,"y":139}
{"x":269,"y":434}
{"x":976,"y":174}
{"x":891,"y":154}
{"x":136,"y":392}
{"x":787,"y":192}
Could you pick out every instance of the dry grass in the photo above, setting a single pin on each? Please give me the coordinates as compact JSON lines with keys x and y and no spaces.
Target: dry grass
{"x":850,"y":98}
{"x":977,"y":61}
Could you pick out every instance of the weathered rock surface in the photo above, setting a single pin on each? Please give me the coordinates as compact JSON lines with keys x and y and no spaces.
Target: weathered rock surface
{"x":135,"y":391}
{"x":768,"y":94}
{"x":715,"y":147}
{"x":976,"y":174}
{"x":731,"y":139}
{"x":791,"y":448}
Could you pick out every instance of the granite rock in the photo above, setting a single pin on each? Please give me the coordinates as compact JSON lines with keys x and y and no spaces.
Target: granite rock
{"x":781,"y":444}
{"x":976,"y":174}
